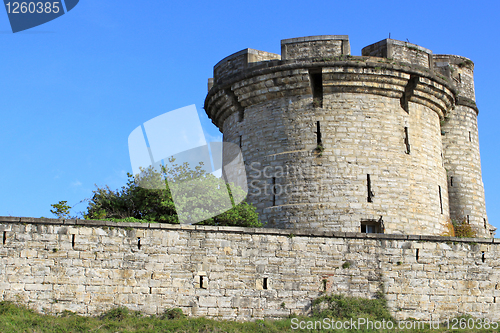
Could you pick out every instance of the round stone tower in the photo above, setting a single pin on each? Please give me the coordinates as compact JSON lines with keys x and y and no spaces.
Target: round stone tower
{"x":461,"y":146}
{"x":342,"y":143}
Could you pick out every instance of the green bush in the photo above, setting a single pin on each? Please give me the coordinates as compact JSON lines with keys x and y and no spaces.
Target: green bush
{"x":117,"y":314}
{"x":464,"y":229}
{"x":339,"y":306}
{"x":147,"y":197}
{"x":174,"y":313}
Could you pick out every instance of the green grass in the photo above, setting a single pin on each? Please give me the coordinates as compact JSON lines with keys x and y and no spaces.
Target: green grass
{"x":14,"y":318}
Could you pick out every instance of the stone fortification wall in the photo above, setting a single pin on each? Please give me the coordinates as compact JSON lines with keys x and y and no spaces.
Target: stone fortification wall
{"x":239,"y":273}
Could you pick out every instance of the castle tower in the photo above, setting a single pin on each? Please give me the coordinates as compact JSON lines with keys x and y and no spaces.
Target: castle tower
{"x":342,"y":143}
{"x":461,"y":146}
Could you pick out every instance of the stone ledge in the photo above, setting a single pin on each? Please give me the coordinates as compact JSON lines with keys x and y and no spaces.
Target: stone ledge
{"x":467,"y":102}
{"x":413,"y":237}
{"x":351,"y":61}
{"x":313,"y":39}
{"x":169,"y":226}
{"x":10,"y":219}
{"x":205,"y":227}
{"x":35,"y":220}
{"x":135,"y":225}
{"x":111,"y":224}
{"x":70,"y":222}
{"x":241,"y":230}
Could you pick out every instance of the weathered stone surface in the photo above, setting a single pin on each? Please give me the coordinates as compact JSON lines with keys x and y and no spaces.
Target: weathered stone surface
{"x":381,"y":155}
{"x":398,"y":118}
{"x":242,"y":273}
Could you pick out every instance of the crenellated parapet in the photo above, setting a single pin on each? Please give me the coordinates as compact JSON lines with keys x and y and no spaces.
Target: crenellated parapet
{"x":255,"y":76}
{"x":460,"y":71}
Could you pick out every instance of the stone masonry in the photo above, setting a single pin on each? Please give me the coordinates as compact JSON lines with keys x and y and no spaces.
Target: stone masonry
{"x":240,"y":273}
{"x":356,"y":165}
{"x":335,"y":142}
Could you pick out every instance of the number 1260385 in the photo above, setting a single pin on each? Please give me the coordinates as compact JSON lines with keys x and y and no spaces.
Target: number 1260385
{"x":33,"y":7}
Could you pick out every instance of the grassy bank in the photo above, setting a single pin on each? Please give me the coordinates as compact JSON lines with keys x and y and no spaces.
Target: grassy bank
{"x":15,"y":318}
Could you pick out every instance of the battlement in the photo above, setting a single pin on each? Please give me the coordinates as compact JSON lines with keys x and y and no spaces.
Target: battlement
{"x":334,"y":50}
{"x":325,"y":48}
{"x":240,"y":61}
{"x":400,"y":51}
{"x":252,"y":83}
{"x":460,"y":71}
{"x":441,"y":60}
{"x":315,"y":47}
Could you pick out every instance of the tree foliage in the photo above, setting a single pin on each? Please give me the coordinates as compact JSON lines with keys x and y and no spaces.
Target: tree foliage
{"x":464,"y":229}
{"x":61,"y":209}
{"x":147,"y":196}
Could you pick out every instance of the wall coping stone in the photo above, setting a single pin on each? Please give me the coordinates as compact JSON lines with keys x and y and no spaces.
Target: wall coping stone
{"x":242,"y":230}
{"x":10,"y":219}
{"x":313,"y":39}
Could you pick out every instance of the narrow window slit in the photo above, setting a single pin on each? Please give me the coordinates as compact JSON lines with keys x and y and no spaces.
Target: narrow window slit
{"x":139,"y":243}
{"x":468,"y":219}
{"x":485,"y":224}
{"x":369,"y":188}
{"x":482,"y":256}
{"x":407,"y":141}
{"x":316,"y":79}
{"x":240,"y":141}
{"x":264,"y":284}
{"x":451,"y":181}
{"x":440,"y":200}
{"x":274,"y":191}
{"x":203,"y":282}
{"x":470,"y":137}
{"x":73,"y":241}
{"x":319,"y":140}
{"x":150,"y":290}
{"x":4,"y":237}
{"x":416,"y":254}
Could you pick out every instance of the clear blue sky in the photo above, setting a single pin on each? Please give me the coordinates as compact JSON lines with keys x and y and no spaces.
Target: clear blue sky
{"x":73,"y":89}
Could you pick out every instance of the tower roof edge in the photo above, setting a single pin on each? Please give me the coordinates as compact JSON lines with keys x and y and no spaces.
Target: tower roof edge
{"x":313,"y":39}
